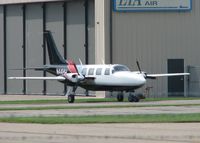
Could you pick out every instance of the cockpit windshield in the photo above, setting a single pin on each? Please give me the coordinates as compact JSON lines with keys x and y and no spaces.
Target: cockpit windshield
{"x":119,"y":68}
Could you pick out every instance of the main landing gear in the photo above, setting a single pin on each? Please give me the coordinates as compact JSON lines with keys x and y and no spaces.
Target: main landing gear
{"x":132,"y":97}
{"x":71,"y":94}
{"x":120,"y":97}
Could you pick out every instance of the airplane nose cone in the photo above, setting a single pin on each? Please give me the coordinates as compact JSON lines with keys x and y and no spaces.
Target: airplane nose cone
{"x":141,"y":80}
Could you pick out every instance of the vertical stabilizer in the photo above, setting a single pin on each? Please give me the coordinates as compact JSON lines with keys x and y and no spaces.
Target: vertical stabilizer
{"x":54,"y":56}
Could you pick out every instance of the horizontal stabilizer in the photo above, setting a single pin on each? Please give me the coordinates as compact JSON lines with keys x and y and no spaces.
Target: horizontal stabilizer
{"x":45,"y":67}
{"x":38,"y":78}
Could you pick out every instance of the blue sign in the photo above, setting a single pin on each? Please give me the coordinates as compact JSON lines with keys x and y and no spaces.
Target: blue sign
{"x":152,"y":5}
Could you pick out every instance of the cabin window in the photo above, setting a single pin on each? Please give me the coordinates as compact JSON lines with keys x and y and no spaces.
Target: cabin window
{"x":107,"y":71}
{"x":84,"y":71}
{"x":119,"y":68}
{"x":91,"y":71}
{"x":98,"y":71}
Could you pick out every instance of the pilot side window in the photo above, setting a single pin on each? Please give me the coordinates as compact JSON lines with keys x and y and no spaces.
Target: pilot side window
{"x":84,"y":71}
{"x":98,"y":71}
{"x":91,"y":71}
{"x":107,"y":71}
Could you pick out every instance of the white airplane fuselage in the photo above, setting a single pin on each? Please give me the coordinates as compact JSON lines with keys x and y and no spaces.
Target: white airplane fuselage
{"x":108,"y":77}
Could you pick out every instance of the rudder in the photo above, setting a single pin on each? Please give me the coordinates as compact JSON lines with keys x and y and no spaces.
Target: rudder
{"x":54,"y":56}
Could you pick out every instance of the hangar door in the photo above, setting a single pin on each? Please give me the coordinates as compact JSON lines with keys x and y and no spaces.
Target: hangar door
{"x":1,"y":52}
{"x":176,"y":83}
{"x":34,"y":41}
{"x":14,"y":47}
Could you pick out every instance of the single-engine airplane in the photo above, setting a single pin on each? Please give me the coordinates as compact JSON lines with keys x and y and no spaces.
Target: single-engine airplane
{"x":113,"y":77}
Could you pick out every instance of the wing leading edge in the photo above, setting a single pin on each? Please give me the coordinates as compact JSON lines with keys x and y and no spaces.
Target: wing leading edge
{"x":166,"y":75}
{"x":38,"y":78}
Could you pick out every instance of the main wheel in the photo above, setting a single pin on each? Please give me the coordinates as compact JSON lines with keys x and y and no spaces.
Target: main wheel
{"x":120,"y":97}
{"x":133,"y":98}
{"x":71,"y":98}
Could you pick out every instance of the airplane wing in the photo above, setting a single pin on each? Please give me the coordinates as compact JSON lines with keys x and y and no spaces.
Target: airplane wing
{"x":38,"y":78}
{"x":153,"y":76}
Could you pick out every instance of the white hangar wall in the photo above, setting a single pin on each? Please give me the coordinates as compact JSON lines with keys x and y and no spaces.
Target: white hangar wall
{"x":155,"y":37}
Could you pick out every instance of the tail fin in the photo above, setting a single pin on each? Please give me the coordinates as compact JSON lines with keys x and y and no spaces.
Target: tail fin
{"x":54,"y":56}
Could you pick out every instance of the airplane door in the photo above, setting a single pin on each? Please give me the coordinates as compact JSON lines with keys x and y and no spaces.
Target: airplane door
{"x":176,"y":84}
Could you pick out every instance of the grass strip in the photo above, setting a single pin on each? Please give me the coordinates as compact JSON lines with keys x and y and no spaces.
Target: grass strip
{"x":89,"y":100}
{"x":157,"y":118}
{"x":90,"y":107}
{"x":58,"y":101}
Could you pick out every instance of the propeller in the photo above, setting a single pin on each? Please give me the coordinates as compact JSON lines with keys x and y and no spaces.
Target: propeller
{"x":138,"y":65}
{"x":144,"y":73}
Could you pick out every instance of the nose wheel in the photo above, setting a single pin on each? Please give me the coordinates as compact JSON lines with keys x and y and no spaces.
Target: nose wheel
{"x":71,"y":98}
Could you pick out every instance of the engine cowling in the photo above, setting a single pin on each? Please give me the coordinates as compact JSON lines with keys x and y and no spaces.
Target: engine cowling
{"x":73,"y":77}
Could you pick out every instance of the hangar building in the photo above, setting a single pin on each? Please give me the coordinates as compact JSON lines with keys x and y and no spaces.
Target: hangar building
{"x":163,"y":37}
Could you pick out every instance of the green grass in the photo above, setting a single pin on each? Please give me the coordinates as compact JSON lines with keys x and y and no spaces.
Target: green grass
{"x":90,"y":107}
{"x":58,"y":101}
{"x":88,"y":100}
{"x":161,"y":118}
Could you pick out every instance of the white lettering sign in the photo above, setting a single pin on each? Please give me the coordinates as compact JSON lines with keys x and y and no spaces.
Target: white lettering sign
{"x":152,"y":5}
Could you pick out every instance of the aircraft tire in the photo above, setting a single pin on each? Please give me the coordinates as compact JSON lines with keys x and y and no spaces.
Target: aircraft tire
{"x":133,"y":98}
{"x":120,"y":97}
{"x":71,"y":98}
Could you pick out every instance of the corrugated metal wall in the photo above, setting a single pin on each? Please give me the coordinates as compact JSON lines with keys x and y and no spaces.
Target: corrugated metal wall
{"x":54,"y":23}
{"x":25,"y":24}
{"x":91,"y":32}
{"x":1,"y":52}
{"x":154,"y":37}
{"x":23,"y":1}
{"x":34,"y":49}
{"x":14,"y":46}
{"x":76,"y":31}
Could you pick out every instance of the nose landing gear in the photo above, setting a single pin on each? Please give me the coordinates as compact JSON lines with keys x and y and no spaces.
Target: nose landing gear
{"x":71,"y":94}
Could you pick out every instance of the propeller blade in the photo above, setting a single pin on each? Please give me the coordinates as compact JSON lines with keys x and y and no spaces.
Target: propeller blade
{"x":138,"y":65}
